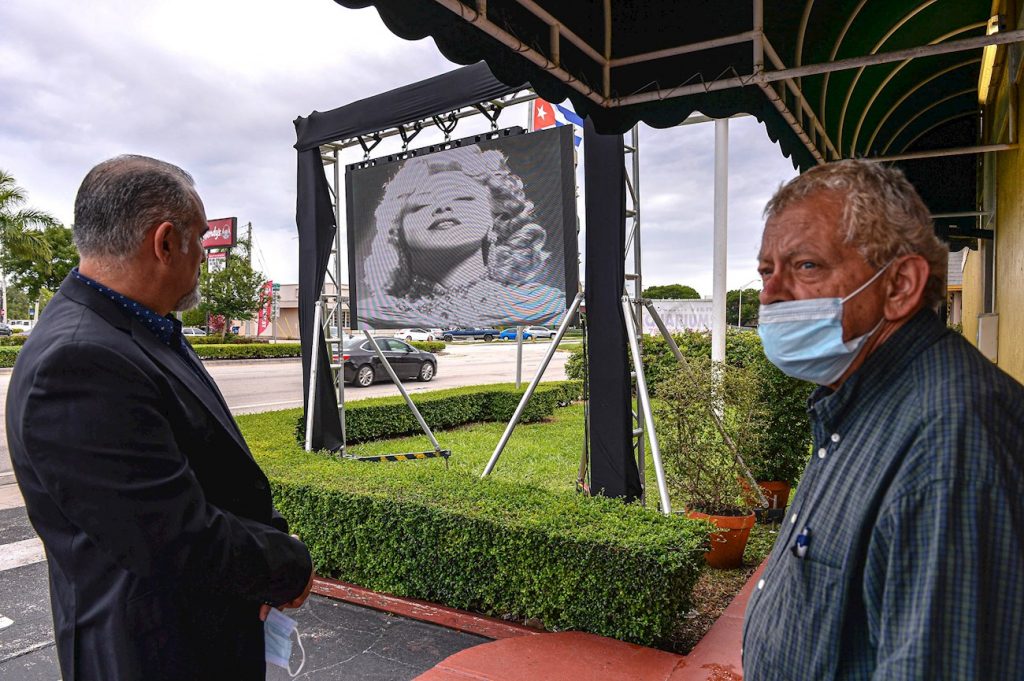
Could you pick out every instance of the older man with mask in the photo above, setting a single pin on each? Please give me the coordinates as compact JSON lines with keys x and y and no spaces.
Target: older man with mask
{"x":164,"y":549}
{"x":903,"y":554}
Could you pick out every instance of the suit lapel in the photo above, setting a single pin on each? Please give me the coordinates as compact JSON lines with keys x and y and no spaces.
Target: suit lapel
{"x":162,"y":354}
{"x":175,"y":365}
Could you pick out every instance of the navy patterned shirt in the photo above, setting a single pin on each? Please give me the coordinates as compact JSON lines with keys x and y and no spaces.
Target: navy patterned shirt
{"x":911,"y":512}
{"x":166,"y":329}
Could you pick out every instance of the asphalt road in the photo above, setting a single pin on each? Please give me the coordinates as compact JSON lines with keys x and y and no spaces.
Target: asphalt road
{"x":267,"y":385}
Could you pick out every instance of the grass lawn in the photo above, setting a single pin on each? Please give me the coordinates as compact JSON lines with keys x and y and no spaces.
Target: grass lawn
{"x":545,"y":455}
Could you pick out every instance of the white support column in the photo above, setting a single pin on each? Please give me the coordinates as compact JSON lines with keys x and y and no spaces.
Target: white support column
{"x":721,"y":222}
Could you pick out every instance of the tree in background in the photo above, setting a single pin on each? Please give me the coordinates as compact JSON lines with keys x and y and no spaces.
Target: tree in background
{"x":234,"y":292}
{"x":751,"y":306}
{"x":671,"y":292}
{"x":19,"y":233}
{"x":33,"y":276}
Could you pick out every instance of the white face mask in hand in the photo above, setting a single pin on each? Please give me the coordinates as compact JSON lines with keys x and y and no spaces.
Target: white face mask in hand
{"x":277,"y":637}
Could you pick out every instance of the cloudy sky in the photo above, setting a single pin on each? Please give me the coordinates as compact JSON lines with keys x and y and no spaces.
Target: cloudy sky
{"x":214,"y":87}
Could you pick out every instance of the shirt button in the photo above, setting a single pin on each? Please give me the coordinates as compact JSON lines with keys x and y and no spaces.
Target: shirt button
{"x":821,"y":453}
{"x":792,"y":520}
{"x":835,"y":437}
{"x":760,"y":584}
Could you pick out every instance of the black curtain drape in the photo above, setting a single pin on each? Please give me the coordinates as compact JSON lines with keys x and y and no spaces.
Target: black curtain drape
{"x":613,"y":470}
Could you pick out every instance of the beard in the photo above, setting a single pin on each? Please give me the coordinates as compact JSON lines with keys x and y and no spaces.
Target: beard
{"x":189,"y":300}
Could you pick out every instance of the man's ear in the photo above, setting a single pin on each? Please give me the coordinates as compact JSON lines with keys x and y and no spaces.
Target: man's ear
{"x":907,"y":281}
{"x":165,"y":242}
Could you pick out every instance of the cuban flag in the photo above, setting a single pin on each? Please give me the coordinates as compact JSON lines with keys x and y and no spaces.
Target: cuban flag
{"x":544,"y":114}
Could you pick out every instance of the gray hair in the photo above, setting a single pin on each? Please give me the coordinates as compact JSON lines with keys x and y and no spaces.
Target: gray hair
{"x":883,"y":216}
{"x":122,"y":198}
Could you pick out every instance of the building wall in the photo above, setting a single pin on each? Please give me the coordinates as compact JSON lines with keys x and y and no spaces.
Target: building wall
{"x":1009,"y":288}
{"x":972,"y":303}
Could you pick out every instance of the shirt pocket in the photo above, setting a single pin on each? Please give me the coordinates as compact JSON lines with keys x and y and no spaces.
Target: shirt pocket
{"x":795,"y":628}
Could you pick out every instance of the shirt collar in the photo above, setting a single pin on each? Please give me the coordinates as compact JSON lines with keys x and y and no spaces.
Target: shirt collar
{"x":166,"y":329}
{"x":880,"y":368}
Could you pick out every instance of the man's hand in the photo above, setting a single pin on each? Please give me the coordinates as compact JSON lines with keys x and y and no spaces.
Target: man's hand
{"x":295,"y":603}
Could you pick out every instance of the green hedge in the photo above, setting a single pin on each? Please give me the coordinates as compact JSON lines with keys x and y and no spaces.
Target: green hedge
{"x":786,"y":445}
{"x":15,"y":340}
{"x":248,"y":351}
{"x":429,"y":346}
{"x":387,"y":417}
{"x":8,"y":355}
{"x":228,"y":339}
{"x":420,"y":530}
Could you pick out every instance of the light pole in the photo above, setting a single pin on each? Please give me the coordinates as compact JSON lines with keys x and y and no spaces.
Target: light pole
{"x":739,"y":309}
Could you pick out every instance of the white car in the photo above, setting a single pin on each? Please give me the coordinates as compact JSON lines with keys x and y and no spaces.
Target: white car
{"x":539,"y":331}
{"x":414,"y":335}
{"x":192,"y":331}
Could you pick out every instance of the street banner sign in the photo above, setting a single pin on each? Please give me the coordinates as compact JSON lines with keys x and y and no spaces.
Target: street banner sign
{"x":265,"y":309}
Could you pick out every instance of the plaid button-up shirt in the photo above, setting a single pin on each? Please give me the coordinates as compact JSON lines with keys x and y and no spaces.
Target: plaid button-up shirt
{"x":912,"y":512}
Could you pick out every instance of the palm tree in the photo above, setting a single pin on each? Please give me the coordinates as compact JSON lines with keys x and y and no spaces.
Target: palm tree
{"x":20,"y":232}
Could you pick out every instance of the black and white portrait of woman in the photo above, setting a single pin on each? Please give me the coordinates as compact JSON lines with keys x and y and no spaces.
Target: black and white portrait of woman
{"x":456,"y":241}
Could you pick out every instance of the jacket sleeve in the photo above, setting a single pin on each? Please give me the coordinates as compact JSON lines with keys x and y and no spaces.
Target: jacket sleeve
{"x":98,"y":437}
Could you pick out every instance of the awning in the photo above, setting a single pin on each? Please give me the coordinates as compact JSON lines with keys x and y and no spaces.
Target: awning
{"x":830,"y":79}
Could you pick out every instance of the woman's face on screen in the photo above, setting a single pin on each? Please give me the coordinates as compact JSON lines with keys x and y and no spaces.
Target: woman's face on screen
{"x":451,"y":212}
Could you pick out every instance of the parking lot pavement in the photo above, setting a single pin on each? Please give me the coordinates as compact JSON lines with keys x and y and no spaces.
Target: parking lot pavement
{"x":342,"y":641}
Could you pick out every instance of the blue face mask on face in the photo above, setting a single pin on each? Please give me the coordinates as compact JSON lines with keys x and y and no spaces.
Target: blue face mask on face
{"x":277,"y":637}
{"x":804,"y":338}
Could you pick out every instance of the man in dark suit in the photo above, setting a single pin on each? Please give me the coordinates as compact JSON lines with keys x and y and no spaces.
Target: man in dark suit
{"x":165,"y":552}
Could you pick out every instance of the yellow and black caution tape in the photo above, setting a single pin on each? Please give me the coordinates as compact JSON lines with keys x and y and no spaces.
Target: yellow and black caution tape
{"x":412,"y":456}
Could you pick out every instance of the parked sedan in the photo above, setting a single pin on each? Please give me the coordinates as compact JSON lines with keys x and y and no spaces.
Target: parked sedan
{"x":363,"y":367}
{"x":5,"y":329}
{"x":510,"y":334}
{"x":410,"y":335}
{"x":192,"y":331}
{"x":529,"y":333}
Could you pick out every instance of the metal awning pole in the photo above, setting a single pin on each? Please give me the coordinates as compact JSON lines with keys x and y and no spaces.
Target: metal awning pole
{"x":721,"y":224}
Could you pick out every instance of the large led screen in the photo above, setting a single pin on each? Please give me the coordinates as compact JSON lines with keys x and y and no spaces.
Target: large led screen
{"x":480,"y":234}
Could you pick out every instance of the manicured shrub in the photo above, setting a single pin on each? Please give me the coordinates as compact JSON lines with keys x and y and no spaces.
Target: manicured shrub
{"x":429,"y":346}
{"x":421,"y":530}
{"x":15,"y":340}
{"x":248,"y":351}
{"x":230,"y":338}
{"x":7,"y":356}
{"x":387,"y":417}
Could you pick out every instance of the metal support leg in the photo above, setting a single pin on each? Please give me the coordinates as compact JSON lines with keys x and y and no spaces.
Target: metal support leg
{"x":533,"y":384}
{"x":645,"y":403}
{"x":519,"y":357}
{"x":401,"y":389}
{"x":314,"y":349}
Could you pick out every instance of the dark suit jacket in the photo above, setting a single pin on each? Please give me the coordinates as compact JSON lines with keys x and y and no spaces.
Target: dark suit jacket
{"x":158,"y":525}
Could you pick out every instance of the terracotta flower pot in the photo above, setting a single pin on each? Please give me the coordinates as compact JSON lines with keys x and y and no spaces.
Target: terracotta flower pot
{"x":776,"y":491}
{"x":728,"y":545}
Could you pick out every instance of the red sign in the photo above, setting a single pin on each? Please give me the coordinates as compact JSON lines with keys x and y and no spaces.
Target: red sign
{"x":221,"y":233}
{"x":543,"y":114}
{"x":266,"y":307}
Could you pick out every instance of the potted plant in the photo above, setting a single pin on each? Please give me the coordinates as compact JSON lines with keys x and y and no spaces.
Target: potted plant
{"x":702,"y":469}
